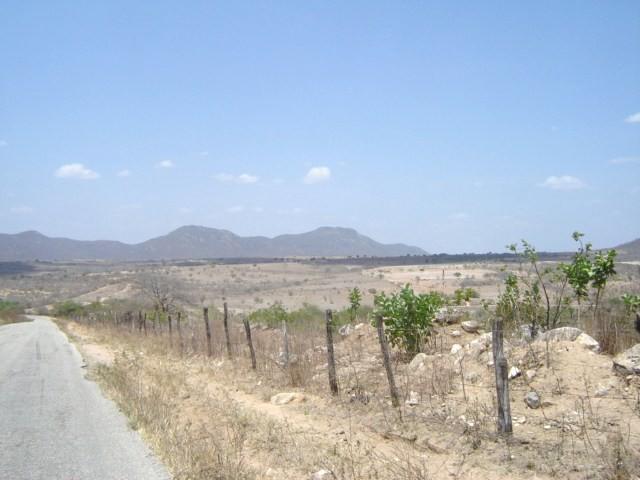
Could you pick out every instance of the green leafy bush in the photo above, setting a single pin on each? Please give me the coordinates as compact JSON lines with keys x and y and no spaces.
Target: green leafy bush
{"x":68,"y":308}
{"x":408,"y":317}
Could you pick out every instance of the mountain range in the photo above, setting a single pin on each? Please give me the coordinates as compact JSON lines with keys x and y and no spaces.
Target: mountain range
{"x":194,"y":242}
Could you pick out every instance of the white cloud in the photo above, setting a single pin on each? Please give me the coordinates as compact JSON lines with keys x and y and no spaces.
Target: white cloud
{"x":21,"y":210}
{"x":635,"y":118}
{"x":124,"y":173}
{"x":3,"y":143}
{"x":624,"y":160}
{"x":165,"y":164}
{"x":563,"y":182}
{"x":317,"y":175}
{"x":243,"y":178}
{"x":459,"y":216}
{"x":76,"y":170}
{"x":246,"y":178}
{"x":236,"y":209}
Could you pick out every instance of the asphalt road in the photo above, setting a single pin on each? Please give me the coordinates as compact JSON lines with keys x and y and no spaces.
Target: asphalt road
{"x":54,"y":423}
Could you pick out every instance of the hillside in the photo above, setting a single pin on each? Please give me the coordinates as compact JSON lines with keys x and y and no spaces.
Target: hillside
{"x":629,"y":250}
{"x":198,"y":242}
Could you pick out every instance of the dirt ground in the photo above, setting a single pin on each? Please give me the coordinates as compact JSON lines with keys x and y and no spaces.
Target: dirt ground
{"x":588,"y":424}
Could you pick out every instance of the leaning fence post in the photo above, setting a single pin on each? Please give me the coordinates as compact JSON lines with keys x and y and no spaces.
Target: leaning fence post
{"x":393,"y":390}
{"x":285,"y":344}
{"x":226,"y":329}
{"x":208,"y":330}
{"x":179,"y":326}
{"x":331,"y":360}
{"x":502,"y":378}
{"x":247,"y":331}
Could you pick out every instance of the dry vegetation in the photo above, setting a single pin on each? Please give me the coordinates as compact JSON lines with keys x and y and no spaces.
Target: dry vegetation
{"x":215,"y":417}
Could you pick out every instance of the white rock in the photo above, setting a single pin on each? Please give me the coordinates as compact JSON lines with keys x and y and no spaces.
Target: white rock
{"x":530,"y":374}
{"x":562,"y":334}
{"x":323,"y":474}
{"x":455,"y":348}
{"x":628,"y":362}
{"x":601,"y":391}
{"x":414,"y":399}
{"x":418,"y":361}
{"x":455,"y":333}
{"x":470,"y":326}
{"x":514,"y":372}
{"x":588,"y":341}
{"x":345,"y":330}
{"x":532,"y":399}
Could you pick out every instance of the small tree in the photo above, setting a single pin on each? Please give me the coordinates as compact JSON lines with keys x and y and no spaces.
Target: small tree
{"x":355,"y":297}
{"x":579,"y":271}
{"x":603,"y":270}
{"x":408,"y":317}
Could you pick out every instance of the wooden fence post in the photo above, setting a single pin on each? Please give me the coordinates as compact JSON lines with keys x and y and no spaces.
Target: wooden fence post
{"x":247,"y":331}
{"x":144,"y":323}
{"x":393,"y":390}
{"x":170,"y":330}
{"x":285,"y":344}
{"x":502,"y":378}
{"x":226,"y":329}
{"x":179,"y":327}
{"x":331,"y":360}
{"x":208,"y":330}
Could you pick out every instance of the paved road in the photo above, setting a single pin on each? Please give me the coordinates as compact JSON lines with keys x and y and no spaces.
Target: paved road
{"x":55,"y":424}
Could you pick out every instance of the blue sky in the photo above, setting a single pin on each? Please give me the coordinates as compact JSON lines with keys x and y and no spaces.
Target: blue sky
{"x":455,"y":126}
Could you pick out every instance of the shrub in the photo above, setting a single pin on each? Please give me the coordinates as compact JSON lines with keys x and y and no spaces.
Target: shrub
{"x":68,"y":308}
{"x":408,"y":317}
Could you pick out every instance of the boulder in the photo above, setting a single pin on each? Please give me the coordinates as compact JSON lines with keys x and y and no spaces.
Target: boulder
{"x":455,"y":333}
{"x":455,"y":348}
{"x":418,"y":361}
{"x":323,"y":474}
{"x":345,"y":330}
{"x":628,"y":362}
{"x":532,"y":399}
{"x":562,"y":334}
{"x":588,"y":342}
{"x":514,"y":372}
{"x":479,"y":345}
{"x":470,"y":326}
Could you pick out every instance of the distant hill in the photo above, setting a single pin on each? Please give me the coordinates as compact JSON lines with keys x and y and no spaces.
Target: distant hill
{"x":629,"y":250}
{"x":199,"y":242}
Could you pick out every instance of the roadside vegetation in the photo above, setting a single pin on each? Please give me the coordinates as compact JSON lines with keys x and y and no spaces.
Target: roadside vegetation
{"x":10,"y":312}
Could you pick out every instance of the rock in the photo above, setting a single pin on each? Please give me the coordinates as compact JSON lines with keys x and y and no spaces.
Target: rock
{"x":588,"y":341}
{"x":525,"y":333}
{"x":601,"y":391}
{"x":470,"y":326}
{"x":472,"y":377}
{"x":293,"y":359}
{"x":455,"y":333}
{"x":418,"y":361}
{"x":455,"y":348}
{"x":414,"y":399}
{"x":323,"y":474}
{"x":286,"y":397}
{"x":359,"y":326}
{"x":562,"y":334}
{"x":480,"y":345}
{"x":345,"y":330}
{"x":530,"y":374}
{"x":628,"y":362}
{"x":532,"y":399}
{"x":514,"y":372}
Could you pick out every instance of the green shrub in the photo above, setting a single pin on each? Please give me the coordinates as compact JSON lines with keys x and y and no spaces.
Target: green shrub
{"x":408,"y":317}
{"x":68,"y":308}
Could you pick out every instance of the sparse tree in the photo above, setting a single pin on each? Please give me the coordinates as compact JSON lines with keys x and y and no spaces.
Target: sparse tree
{"x":355,"y":297}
